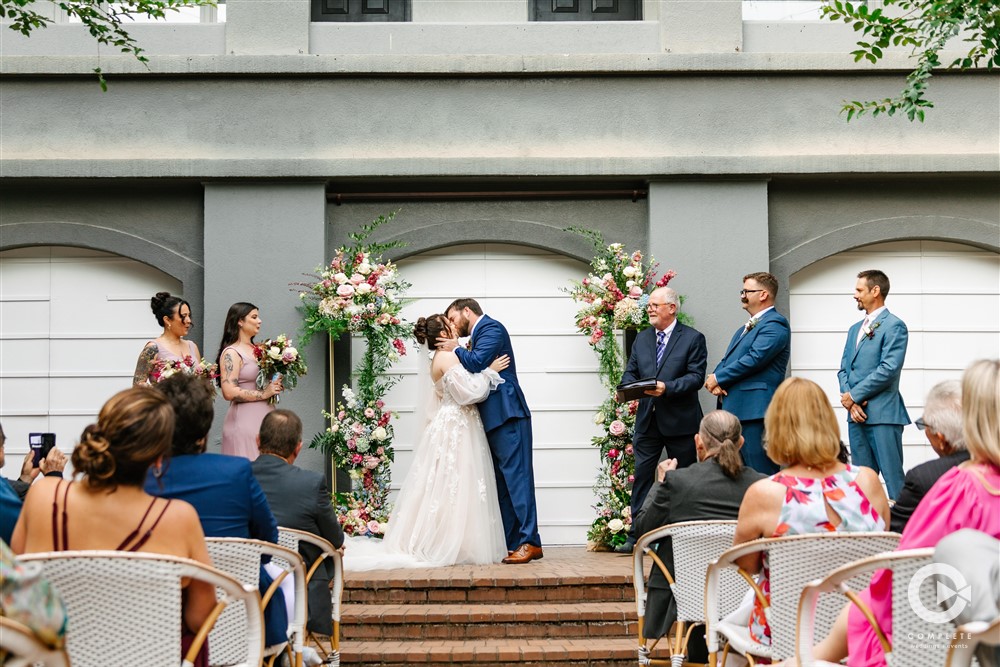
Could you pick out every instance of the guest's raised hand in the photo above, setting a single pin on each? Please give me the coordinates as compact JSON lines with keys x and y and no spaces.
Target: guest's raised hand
{"x":28,"y":470}
{"x":500,"y":363}
{"x":54,"y":461}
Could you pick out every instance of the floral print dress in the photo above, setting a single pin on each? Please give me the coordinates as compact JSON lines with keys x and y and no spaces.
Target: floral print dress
{"x":804,"y":511}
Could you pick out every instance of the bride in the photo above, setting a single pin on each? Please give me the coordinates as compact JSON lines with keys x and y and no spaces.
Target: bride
{"x":447,"y":511}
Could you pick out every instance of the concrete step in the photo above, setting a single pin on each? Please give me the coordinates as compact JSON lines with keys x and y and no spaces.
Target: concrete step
{"x":612,"y":652}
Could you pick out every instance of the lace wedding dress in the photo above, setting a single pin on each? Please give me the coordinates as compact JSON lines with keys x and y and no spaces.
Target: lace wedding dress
{"x":447,"y":511}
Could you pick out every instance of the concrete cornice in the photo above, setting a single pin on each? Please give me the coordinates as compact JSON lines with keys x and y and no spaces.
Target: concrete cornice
{"x":462,"y":65}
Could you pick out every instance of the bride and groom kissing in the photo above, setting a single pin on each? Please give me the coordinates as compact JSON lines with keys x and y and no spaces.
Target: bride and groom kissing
{"x":469,"y":496}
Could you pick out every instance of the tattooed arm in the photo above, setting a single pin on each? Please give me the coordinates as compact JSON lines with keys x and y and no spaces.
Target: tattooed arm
{"x":144,"y":364}
{"x":229,"y":379}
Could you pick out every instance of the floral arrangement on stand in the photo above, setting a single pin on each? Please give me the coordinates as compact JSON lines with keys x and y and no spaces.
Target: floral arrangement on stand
{"x":613,"y":297}
{"x":361,"y":293}
{"x":164,"y":368}
{"x":277,"y":357}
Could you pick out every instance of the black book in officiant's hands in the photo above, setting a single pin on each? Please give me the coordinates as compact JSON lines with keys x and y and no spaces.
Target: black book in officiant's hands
{"x":630,"y":391}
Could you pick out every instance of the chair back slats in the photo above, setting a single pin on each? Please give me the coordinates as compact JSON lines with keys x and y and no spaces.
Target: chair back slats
{"x":795,"y":561}
{"x":916,"y":642}
{"x":695,"y":545}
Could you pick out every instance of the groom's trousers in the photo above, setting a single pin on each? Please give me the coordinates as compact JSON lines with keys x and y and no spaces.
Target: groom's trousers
{"x":510,"y":445}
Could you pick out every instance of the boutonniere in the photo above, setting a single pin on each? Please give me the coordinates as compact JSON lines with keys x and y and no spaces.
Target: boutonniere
{"x":869,"y":330}
{"x":751,"y":323}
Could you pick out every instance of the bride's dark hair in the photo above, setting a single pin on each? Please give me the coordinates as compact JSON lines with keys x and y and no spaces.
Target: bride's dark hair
{"x":429,"y":329}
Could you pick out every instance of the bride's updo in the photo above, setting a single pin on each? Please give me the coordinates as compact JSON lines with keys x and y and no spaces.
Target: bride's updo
{"x":429,"y":329}
{"x":133,"y":430}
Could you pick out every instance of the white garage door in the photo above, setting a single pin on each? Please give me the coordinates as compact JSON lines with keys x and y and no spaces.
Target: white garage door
{"x":948,"y":295}
{"x":520,"y":287}
{"x":72,"y":322}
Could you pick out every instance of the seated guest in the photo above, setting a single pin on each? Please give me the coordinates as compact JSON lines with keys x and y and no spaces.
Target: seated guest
{"x":10,"y":510}
{"x":299,"y":499}
{"x":713,"y":488}
{"x":942,"y":424}
{"x":815,"y":492}
{"x":108,"y":508}
{"x":221,"y":488}
{"x":974,"y":555}
{"x":967,"y":496}
{"x":51,"y":466}
{"x":30,"y":600}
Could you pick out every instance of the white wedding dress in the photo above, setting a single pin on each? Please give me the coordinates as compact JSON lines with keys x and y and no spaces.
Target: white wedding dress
{"x":447,"y":511}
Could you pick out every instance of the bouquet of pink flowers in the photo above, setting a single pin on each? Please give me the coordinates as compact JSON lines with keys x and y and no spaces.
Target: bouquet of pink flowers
{"x":164,"y":368}
{"x":277,"y":357}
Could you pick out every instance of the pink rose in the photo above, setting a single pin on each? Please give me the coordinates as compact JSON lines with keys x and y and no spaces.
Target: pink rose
{"x":352,"y":444}
{"x":370,"y":413}
{"x":345,"y":290}
{"x":356,"y":459}
{"x":373,"y":527}
{"x":631,"y":478}
{"x":616,"y":428}
{"x":372,"y":462}
{"x":357,"y":279}
{"x":358,"y":428}
{"x":635,"y":292}
{"x":341,"y":415}
{"x":612,"y":453}
{"x":380,"y":404}
{"x":629,"y":450}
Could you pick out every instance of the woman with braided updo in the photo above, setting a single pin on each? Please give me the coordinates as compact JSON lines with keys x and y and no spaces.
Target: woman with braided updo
{"x":107,"y":508}
{"x":174,"y":314}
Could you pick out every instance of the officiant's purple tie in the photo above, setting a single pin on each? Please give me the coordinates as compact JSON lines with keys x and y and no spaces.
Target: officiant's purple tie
{"x":661,"y":345}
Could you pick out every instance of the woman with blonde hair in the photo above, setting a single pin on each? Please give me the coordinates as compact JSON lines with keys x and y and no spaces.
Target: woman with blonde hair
{"x":967,"y":496}
{"x":814,"y":492}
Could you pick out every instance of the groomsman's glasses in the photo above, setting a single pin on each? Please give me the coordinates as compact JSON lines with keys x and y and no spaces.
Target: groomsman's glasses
{"x":744,"y":292}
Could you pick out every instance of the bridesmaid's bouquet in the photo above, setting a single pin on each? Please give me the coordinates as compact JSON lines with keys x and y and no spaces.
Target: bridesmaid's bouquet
{"x":276,"y":357}
{"x":164,"y":368}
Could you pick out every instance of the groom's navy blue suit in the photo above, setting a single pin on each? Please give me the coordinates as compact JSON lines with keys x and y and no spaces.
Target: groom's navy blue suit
{"x":507,"y":422}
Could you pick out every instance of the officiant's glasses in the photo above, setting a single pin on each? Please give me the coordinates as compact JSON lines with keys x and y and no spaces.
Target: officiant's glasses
{"x":744,"y":292}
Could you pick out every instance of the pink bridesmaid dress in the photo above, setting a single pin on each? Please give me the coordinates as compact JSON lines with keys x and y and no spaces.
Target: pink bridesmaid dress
{"x":239,"y":432}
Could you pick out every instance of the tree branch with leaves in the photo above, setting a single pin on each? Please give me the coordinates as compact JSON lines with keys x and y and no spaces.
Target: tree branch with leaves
{"x":927,"y":27}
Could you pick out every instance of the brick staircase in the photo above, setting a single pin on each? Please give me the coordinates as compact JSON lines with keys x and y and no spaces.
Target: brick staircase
{"x":570,"y":608}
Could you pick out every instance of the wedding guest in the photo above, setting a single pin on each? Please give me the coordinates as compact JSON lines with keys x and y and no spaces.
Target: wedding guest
{"x":668,"y":417}
{"x":942,"y":425}
{"x":753,"y":366}
{"x":30,"y":600}
{"x":713,"y":488}
{"x":174,"y":315}
{"x":869,"y":383}
{"x":299,"y":499}
{"x":108,"y":509}
{"x":974,"y":554}
{"x":967,"y":496}
{"x":222,"y":489}
{"x":10,"y":510}
{"x":51,"y":466}
{"x":814,"y":492}
{"x":238,"y":371}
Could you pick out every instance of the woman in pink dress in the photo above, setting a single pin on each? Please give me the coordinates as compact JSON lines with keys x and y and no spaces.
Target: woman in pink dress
{"x":238,"y":380}
{"x":174,"y":315}
{"x":965,"y":497}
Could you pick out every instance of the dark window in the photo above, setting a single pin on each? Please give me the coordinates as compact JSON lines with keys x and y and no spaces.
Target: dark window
{"x":586,"y":10}
{"x":361,"y":10}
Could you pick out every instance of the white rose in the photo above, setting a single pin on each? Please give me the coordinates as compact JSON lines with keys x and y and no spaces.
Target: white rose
{"x":274,"y":352}
{"x":364,"y":288}
{"x":630,"y":283}
{"x":364,"y":268}
{"x":383,"y":527}
{"x":353,"y":309}
{"x":608,"y":278}
{"x":628,"y":271}
{"x":598,"y":418}
{"x":380,"y":434}
{"x":616,"y":525}
{"x":340,"y":278}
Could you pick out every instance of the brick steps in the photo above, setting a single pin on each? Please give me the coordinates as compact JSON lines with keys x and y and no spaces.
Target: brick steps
{"x":573,"y":608}
{"x":468,"y":621}
{"x":613,"y":652}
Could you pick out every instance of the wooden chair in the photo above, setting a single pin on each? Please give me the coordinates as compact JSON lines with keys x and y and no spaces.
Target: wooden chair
{"x":794,"y":561}
{"x":695,"y":544}
{"x":241,"y":559}
{"x":20,"y":647}
{"x":969,"y":637}
{"x":291,"y":539}
{"x":918,"y":641}
{"x":125,"y":608}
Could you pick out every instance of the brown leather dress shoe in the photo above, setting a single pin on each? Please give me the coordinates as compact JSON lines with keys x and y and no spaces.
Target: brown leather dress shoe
{"x":523,"y":554}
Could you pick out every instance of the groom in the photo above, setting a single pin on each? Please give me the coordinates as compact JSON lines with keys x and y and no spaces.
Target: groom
{"x":507,"y":422}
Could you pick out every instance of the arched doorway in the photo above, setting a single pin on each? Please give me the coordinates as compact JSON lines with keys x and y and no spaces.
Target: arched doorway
{"x":947,"y":293}
{"x":520,"y":286}
{"x":72,"y":322}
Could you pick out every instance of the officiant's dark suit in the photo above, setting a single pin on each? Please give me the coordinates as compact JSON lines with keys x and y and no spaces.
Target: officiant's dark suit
{"x":670,"y":420}
{"x":697,"y":493}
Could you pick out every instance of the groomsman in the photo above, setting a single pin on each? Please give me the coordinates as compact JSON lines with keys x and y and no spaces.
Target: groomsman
{"x":668,"y":418}
{"x":869,"y":383}
{"x":753,"y":366}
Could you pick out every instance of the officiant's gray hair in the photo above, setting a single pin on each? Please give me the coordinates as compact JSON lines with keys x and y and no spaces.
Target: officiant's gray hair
{"x":668,"y":294}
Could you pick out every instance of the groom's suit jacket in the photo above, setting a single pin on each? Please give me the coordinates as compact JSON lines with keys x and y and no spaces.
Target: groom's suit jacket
{"x":754,"y":365}
{"x":682,"y":371}
{"x":870,"y":369}
{"x":489,"y":341}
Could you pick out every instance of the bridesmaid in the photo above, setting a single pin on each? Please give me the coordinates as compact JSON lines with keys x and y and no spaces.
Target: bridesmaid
{"x":238,"y":379}
{"x":174,"y":315}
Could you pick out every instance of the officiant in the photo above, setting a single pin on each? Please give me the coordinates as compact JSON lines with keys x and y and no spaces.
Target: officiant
{"x":675,"y":356}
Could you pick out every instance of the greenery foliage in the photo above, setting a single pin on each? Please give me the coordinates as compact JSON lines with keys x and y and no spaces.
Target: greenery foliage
{"x":102,"y":19}
{"x":926,"y":27}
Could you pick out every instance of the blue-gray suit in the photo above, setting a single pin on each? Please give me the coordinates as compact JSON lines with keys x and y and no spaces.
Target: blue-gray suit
{"x":870,"y":370}
{"x":750,"y":372}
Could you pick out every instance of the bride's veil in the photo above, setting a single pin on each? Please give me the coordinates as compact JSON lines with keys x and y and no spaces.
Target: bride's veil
{"x":427,"y":402}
